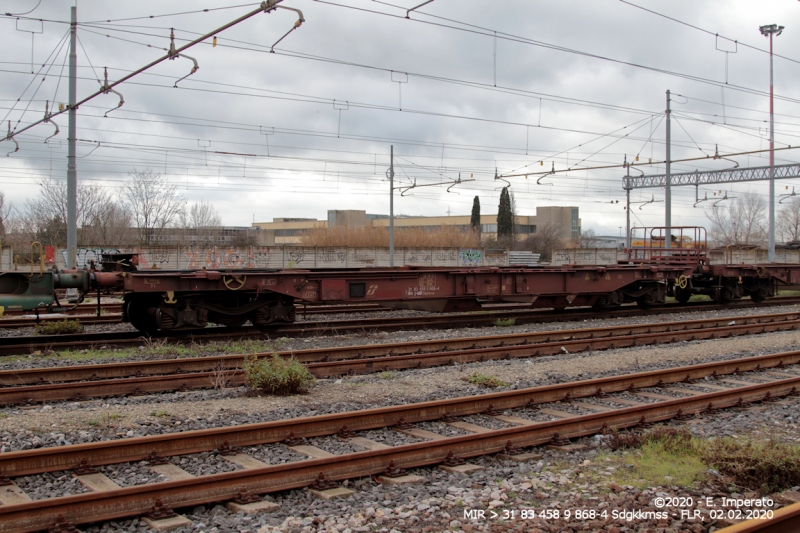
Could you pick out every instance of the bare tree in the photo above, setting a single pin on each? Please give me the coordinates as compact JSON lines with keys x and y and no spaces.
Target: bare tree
{"x":588,"y":239}
{"x":743,"y":222}
{"x":546,"y":239}
{"x":110,"y":225}
{"x":154,"y":204}
{"x":45,"y":216}
{"x":201,"y":215}
{"x":5,"y":213}
{"x":788,"y":220}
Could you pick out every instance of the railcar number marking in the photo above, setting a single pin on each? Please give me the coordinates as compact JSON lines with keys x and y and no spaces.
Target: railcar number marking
{"x":309,"y":294}
{"x":269,"y":282}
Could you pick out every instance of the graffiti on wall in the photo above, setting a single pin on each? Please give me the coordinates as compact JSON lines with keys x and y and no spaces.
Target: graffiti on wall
{"x":213,"y":257}
{"x":470,"y":257}
{"x":444,"y":256}
{"x":419,"y":257}
{"x":84,"y":255}
{"x":331,"y":257}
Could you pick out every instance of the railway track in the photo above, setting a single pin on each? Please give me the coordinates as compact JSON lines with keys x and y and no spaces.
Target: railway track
{"x":555,"y":414}
{"x":29,"y":344}
{"x":75,"y":383}
{"x":83,"y":313}
{"x":786,"y":520}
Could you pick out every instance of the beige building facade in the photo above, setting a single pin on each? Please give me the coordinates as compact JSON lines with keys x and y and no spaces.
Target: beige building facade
{"x":291,"y":230}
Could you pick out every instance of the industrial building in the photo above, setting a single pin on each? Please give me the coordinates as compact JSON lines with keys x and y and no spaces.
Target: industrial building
{"x":290,"y":230}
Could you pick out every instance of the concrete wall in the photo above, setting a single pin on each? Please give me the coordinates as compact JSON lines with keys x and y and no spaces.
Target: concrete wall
{"x":268,"y":257}
{"x":587,"y":256}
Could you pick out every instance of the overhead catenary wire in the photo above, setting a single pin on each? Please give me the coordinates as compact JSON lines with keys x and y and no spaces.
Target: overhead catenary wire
{"x":264,"y":7}
{"x":488,"y":32}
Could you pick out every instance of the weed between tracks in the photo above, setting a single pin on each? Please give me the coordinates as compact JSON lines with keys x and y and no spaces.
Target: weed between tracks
{"x":484,"y":380}
{"x":163,"y":350}
{"x":277,"y":375}
{"x":60,"y":327}
{"x":670,"y":456}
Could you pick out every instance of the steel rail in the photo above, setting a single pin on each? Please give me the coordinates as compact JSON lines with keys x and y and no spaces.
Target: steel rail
{"x":25,"y":345}
{"x":50,"y":375}
{"x":518,"y":346}
{"x":84,"y":314}
{"x":97,"y":506}
{"x":37,"y":461}
{"x":784,"y":520}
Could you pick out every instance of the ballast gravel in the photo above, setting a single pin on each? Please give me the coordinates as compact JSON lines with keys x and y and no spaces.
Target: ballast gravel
{"x":131,"y":474}
{"x":50,"y":485}
{"x":273,"y":454}
{"x":580,"y":480}
{"x":204,"y":463}
{"x":428,"y":507}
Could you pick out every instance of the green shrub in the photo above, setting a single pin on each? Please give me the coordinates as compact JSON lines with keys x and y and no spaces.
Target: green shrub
{"x":277,"y":375}
{"x":766,"y":466}
{"x":59,"y":327}
{"x":505,"y":323}
{"x":483,"y":380}
{"x":671,"y":439}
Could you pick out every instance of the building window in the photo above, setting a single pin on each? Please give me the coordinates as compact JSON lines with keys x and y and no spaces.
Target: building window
{"x":289,"y":232}
{"x":489,"y":228}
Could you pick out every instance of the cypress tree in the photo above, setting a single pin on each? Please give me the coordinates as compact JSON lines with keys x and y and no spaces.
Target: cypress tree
{"x":504,"y":217}
{"x":475,"y":220}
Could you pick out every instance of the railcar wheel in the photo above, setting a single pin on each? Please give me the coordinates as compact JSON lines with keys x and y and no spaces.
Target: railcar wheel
{"x":759,"y":295}
{"x":646,"y":300}
{"x":141,"y":315}
{"x":681,"y":295}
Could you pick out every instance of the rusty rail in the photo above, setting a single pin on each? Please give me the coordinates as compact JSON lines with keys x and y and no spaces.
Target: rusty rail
{"x":25,"y":345}
{"x":785,"y":520}
{"x":69,"y":383}
{"x":120,"y":503}
{"x":135,"y":449}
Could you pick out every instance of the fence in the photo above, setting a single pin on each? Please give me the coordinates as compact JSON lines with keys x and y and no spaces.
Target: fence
{"x":213,"y":257}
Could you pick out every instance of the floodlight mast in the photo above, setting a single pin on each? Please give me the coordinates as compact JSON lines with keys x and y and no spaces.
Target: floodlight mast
{"x":769,"y":30}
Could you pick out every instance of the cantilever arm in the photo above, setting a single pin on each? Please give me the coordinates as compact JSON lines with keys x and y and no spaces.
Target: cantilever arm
{"x":47,"y":118}
{"x":12,"y":139}
{"x":417,"y":7}
{"x":195,"y":68}
{"x":297,"y":24}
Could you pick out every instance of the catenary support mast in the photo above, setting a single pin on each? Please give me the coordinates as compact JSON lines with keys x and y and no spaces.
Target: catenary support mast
{"x":72,"y":170}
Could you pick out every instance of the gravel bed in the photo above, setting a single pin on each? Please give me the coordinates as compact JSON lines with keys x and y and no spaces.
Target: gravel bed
{"x":485,"y":421}
{"x":50,"y":485}
{"x":389,"y":437}
{"x":335,"y":445}
{"x":578,"y":480}
{"x":273,"y":454}
{"x":204,"y":464}
{"x":531,"y":414}
{"x":131,"y":474}
{"x":632,"y":396}
{"x":442,"y":429}
{"x":567,"y":407}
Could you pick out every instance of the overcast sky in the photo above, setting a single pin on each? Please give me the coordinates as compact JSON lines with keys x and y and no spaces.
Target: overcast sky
{"x":460,"y":88}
